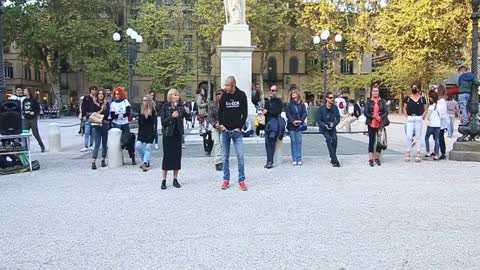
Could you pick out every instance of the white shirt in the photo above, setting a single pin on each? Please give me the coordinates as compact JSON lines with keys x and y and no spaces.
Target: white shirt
{"x":351,"y":109}
{"x":442,"y":110}
{"x":21,"y":99}
{"x":341,"y":104}
{"x":433,"y":116}
{"x":120,"y":108}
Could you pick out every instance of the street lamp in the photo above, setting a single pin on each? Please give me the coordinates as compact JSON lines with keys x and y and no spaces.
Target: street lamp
{"x":472,"y":129}
{"x":131,"y":52}
{"x":323,"y":38}
{"x":2,"y":71}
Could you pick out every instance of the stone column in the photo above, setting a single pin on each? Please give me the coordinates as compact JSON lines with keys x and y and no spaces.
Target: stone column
{"x":54,"y":138}
{"x":114,"y":150}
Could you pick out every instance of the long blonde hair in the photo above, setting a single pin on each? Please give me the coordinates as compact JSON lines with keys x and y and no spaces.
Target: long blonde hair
{"x":149,"y":107}
{"x":299,"y":95}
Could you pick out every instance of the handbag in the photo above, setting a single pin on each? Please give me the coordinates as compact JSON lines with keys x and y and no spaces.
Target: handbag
{"x":303,"y":126}
{"x":96,"y":118}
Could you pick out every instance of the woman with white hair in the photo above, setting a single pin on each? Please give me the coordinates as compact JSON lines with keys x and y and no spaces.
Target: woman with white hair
{"x":172,"y":114}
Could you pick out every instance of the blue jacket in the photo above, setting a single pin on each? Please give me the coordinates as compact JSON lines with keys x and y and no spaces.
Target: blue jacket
{"x":328,"y":119}
{"x":295,"y":111}
{"x":466,"y":82}
{"x":275,"y":128}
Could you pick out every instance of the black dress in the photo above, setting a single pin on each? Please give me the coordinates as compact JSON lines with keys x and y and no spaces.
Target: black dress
{"x":173,"y":130}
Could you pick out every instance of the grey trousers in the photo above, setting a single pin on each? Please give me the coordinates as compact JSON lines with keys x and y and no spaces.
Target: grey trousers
{"x":33,"y":125}
{"x":217,"y":146}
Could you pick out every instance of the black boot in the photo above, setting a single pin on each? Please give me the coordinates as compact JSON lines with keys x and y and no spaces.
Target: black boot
{"x":103,"y":163}
{"x":133,"y":161}
{"x":175,"y":183}
{"x":164,"y":184}
{"x":94,"y":166}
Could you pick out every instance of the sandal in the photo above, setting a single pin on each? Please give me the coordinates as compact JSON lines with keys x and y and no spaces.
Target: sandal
{"x":407,"y":157}
{"x":418,"y":158}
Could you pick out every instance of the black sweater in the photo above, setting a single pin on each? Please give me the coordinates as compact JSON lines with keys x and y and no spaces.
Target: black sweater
{"x":30,"y":105}
{"x":233,"y":110}
{"x":146,"y":128}
{"x":274,"y":108}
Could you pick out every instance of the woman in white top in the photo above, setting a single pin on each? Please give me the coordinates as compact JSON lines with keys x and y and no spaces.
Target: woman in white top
{"x":433,"y":127}
{"x":444,"y":119}
{"x":120,"y":109}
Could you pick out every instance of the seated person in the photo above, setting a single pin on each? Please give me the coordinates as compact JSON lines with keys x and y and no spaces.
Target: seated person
{"x":352,"y":115}
{"x":247,"y":129}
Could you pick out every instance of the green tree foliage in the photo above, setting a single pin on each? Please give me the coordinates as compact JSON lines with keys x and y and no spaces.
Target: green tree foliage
{"x":108,"y":66}
{"x":163,"y":61}
{"x":51,"y":31}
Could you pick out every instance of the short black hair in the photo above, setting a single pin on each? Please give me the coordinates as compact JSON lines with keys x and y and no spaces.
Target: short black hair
{"x":18,"y":86}
{"x":351,"y":101}
{"x":328,"y":94}
{"x":93,"y":87}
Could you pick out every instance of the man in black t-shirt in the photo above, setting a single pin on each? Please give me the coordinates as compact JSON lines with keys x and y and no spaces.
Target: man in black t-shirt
{"x":273,"y":108}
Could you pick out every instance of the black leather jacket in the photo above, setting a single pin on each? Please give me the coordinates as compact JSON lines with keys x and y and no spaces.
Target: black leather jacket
{"x":368,"y":112}
{"x":169,"y":123}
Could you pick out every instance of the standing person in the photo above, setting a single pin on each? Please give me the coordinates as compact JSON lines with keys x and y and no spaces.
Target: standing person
{"x":341,"y":104}
{"x":433,"y":128}
{"x":328,"y":119}
{"x":444,"y":119}
{"x":147,"y":123}
{"x":273,"y":109}
{"x":466,"y":82}
{"x":102,"y":107}
{"x":233,"y":113}
{"x":19,"y":98}
{"x":88,"y":107}
{"x":296,"y":116}
{"x":352,"y":115}
{"x":156,"y":107}
{"x":213,"y":119}
{"x":120,"y":109}
{"x":415,"y":109}
{"x":201,"y":102}
{"x":108,"y":95}
{"x":257,"y":97}
{"x":376,"y":112}
{"x":452,"y":110}
{"x":81,"y":131}
{"x":193,"y":109}
{"x":172,"y":114}
{"x":31,"y":110}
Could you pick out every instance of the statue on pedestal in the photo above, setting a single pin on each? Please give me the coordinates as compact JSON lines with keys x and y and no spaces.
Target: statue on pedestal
{"x":235,"y":11}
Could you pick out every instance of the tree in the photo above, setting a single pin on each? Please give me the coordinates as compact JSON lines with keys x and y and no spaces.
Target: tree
{"x":49,"y":32}
{"x":269,"y":20}
{"x":424,"y":37}
{"x":108,"y":67}
{"x":209,"y":22}
{"x":164,"y":58}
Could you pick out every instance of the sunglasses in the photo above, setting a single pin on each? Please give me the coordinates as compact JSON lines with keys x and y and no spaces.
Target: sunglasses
{"x":330,"y":97}
{"x":273,"y":90}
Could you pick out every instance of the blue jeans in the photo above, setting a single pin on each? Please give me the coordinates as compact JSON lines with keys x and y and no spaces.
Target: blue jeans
{"x":296,"y":144}
{"x":101,"y":136}
{"x":144,"y":149}
{"x":89,"y":134}
{"x":236,"y":137}
{"x":270,"y":148}
{"x":463,"y":104}
{"x":332,"y":142}
{"x":451,"y":125}
{"x":435,"y":131}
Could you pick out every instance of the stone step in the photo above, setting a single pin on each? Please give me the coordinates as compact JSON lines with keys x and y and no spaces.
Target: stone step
{"x":467,"y":146}
{"x":464,"y":156}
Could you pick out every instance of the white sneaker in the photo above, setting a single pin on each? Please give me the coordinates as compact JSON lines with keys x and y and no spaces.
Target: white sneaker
{"x":91,"y":148}
{"x":184,"y":146}
{"x":299,"y":163}
{"x":294,"y":163}
{"x":84,"y":149}
{"x":156,"y":146}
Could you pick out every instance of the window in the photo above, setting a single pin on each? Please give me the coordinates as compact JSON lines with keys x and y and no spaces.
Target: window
{"x":188,"y":91}
{"x":188,"y":65}
{"x":37,"y":75}
{"x":272,"y":69}
{"x":187,"y":40}
{"x":293,"y":65}
{"x":8,"y":69}
{"x":167,"y":42}
{"x":187,"y":20}
{"x":45,"y":77}
{"x":27,"y":72}
{"x":346,"y":67}
{"x":293,"y":44}
{"x":206,"y":65}
{"x":169,"y":2}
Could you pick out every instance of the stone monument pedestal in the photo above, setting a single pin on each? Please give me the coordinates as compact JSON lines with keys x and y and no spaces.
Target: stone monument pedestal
{"x":236,"y":53}
{"x":465,"y":151}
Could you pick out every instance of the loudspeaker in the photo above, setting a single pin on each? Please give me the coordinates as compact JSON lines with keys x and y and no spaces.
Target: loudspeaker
{"x":10,"y":118}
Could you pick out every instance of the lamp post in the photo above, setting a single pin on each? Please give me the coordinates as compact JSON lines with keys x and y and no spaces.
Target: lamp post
{"x":472,"y":130}
{"x":323,"y":38}
{"x":2,"y":70}
{"x":131,"y":51}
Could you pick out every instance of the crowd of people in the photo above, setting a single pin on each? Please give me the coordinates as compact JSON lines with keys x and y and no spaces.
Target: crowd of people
{"x":225,"y":121}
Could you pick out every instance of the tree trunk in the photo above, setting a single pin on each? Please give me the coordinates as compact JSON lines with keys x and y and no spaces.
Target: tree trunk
{"x":55,"y":89}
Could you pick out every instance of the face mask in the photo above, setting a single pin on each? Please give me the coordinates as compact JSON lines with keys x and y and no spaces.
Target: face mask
{"x":414,"y":90}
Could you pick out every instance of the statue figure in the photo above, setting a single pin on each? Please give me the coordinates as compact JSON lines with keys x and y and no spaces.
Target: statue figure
{"x":235,"y":11}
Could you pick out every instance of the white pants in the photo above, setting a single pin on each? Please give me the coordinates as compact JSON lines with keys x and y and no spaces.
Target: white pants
{"x":217,"y":146}
{"x":414,"y":126}
{"x":346,"y":124}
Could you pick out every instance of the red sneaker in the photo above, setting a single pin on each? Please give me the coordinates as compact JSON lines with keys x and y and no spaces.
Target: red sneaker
{"x":243,"y":186}
{"x":225,"y":184}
